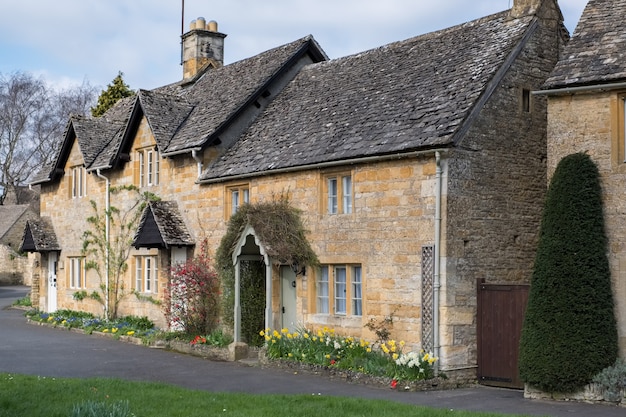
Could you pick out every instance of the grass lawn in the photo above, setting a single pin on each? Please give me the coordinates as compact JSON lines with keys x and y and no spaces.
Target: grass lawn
{"x":32,"y":396}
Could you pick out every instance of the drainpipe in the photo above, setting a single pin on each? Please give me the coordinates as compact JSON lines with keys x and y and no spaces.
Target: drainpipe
{"x":106,"y":237}
{"x":194,"y":155}
{"x":437,"y":280}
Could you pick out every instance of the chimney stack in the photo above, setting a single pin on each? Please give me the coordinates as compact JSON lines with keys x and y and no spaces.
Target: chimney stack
{"x":525,"y":7}
{"x":202,"y":45}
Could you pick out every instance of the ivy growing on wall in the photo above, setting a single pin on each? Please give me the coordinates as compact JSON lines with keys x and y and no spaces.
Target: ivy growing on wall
{"x":280,"y":228}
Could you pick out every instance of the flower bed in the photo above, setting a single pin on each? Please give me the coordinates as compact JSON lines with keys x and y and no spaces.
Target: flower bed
{"x":350,"y":356}
{"x":129,"y":326}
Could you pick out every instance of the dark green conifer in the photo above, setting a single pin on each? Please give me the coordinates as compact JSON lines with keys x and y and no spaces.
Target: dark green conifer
{"x":570,"y":331}
{"x":115,"y":91}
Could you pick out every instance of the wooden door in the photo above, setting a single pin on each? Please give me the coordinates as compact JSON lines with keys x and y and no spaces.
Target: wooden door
{"x":501,"y":311}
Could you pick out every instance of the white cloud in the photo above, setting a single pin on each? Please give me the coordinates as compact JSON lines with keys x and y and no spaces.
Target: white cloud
{"x":72,"y":39}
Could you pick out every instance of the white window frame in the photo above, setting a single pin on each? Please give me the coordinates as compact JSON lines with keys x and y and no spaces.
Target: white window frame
{"x":346,"y":191}
{"x":149,"y":167}
{"x":238,"y":197}
{"x":343,"y":284}
{"x":357,"y":291}
{"x":146,"y":274}
{"x":339,"y":193}
{"x":341,"y":290}
{"x":323,"y":291}
{"x":234,"y":197}
{"x":77,"y":272}
{"x":79,"y":182}
{"x":333,"y":201}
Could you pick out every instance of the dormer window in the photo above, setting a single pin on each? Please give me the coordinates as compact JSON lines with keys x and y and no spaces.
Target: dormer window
{"x":79,"y":182}
{"x":148,"y":167}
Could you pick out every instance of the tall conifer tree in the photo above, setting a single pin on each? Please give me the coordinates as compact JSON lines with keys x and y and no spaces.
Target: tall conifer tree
{"x":570,"y":332}
{"x":115,"y":91}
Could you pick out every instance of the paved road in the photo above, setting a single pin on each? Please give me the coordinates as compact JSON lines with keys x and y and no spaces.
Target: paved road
{"x":39,"y":350}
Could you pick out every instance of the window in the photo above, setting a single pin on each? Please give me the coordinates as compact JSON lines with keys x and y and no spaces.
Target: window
{"x":77,"y":272}
{"x":146,"y":274}
{"x":79,"y":182}
{"x":357,"y":288}
{"x":526,"y":100}
{"x":341,"y":290}
{"x":236,"y":197}
{"x":338,"y":194}
{"x":322,"y":291}
{"x":343,"y":284}
{"x":149,"y":166}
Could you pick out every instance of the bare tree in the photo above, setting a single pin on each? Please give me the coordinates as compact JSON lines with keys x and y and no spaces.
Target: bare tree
{"x":33,"y":117}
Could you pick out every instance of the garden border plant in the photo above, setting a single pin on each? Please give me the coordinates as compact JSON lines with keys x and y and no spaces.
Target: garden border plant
{"x":192,"y":295}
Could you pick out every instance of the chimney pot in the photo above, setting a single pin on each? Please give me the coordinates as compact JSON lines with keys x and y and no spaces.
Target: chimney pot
{"x":201,"y":23}
{"x":201,"y":46}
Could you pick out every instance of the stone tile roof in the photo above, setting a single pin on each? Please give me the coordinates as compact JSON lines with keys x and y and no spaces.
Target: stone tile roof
{"x":184,"y":115}
{"x":161,"y":221}
{"x":596,"y":53}
{"x":9,"y":215}
{"x":410,"y":95}
{"x":39,"y":236}
{"x":220,"y":93}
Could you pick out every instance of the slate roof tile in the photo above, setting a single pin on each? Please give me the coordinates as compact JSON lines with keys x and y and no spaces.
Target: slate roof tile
{"x":169,"y":221}
{"x":183,"y":115}
{"x":9,"y":215}
{"x":39,"y":236}
{"x":408,"y":95}
{"x":596,"y":53}
{"x":219,"y":93}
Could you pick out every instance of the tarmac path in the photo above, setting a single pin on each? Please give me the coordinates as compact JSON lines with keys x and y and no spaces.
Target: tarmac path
{"x":49,"y":352}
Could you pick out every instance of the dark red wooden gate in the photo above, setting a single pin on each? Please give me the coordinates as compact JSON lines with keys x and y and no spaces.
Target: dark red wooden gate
{"x":500,"y":317}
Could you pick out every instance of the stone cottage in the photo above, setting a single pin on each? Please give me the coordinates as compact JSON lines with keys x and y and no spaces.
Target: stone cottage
{"x":419,"y":168}
{"x":15,"y":267}
{"x":586,"y":93}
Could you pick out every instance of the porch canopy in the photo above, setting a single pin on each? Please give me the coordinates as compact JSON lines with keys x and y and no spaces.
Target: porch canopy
{"x":250,"y":248}
{"x":271,"y":232}
{"x":39,"y":236}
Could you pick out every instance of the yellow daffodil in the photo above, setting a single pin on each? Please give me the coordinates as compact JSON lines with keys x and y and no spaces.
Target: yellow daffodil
{"x":130,"y":333}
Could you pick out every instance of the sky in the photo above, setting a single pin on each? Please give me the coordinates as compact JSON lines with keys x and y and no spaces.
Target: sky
{"x":67,"y":42}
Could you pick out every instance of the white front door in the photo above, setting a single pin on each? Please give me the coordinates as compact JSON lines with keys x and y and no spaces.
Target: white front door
{"x":288,"y":298}
{"x":52,"y":281}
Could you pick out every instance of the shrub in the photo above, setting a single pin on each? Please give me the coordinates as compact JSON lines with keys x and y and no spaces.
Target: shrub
{"x":569,"y":332}
{"x":192,"y":295}
{"x":612,"y":380}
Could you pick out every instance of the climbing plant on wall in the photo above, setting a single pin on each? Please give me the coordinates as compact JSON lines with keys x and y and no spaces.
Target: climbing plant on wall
{"x":106,"y":249}
{"x":281,"y":229}
{"x":569,"y":333}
